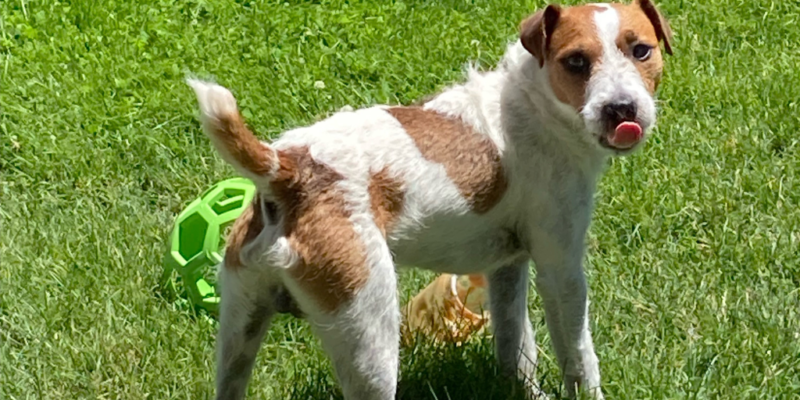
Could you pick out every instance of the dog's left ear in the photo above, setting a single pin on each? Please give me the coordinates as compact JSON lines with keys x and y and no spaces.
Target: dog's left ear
{"x":536,"y":30}
{"x":663,"y":31}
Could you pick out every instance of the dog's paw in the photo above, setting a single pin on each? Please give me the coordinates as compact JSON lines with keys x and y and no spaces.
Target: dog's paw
{"x":536,"y":393}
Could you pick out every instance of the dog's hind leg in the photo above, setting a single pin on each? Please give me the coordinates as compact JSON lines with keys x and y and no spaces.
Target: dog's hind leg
{"x":514,"y":336}
{"x":362,"y":337}
{"x":245,"y":314}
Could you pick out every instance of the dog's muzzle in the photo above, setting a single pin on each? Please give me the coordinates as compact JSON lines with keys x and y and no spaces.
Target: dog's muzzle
{"x":622,"y":130}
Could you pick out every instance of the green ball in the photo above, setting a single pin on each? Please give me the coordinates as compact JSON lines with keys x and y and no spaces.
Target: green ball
{"x":196,"y":245}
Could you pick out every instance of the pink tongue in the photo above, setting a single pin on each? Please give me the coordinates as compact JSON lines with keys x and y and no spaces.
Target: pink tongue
{"x":626,"y":134}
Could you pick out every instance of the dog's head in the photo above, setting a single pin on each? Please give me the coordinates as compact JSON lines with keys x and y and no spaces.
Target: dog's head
{"x":603,"y":61}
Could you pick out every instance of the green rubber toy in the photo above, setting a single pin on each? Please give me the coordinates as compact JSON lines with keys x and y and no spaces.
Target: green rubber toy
{"x":196,"y":245}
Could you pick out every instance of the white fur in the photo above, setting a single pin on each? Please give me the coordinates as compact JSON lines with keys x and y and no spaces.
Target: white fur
{"x":552,"y":161}
{"x":616,"y":78}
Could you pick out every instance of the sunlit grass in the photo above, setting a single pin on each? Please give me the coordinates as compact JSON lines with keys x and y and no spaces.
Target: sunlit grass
{"x":693,"y":250}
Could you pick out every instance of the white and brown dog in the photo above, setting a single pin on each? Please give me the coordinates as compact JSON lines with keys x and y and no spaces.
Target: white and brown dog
{"x":483,"y":178}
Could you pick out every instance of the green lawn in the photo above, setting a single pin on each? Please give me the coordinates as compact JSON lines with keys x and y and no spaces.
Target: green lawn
{"x":693,"y":262}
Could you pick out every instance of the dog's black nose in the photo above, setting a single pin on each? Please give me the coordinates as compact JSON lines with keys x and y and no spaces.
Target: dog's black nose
{"x":620,"y":111}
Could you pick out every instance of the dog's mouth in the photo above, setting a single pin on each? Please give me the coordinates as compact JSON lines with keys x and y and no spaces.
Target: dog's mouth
{"x":622,"y":135}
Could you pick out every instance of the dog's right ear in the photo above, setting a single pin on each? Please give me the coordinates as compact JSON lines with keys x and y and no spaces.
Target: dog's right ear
{"x":536,"y":31}
{"x":663,"y":31}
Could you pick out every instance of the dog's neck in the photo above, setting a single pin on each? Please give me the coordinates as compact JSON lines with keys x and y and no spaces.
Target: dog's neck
{"x":515,"y":106}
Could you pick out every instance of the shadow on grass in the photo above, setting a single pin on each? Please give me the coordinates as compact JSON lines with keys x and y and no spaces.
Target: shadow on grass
{"x":428,"y":370}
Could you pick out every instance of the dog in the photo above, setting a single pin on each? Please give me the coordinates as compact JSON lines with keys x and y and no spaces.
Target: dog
{"x":485,"y":177}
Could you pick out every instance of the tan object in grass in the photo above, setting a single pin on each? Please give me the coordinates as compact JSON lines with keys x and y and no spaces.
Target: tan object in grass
{"x":451,"y":308}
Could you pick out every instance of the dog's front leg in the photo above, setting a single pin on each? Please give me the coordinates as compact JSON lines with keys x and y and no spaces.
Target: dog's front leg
{"x":514,"y":336}
{"x":558,"y":254}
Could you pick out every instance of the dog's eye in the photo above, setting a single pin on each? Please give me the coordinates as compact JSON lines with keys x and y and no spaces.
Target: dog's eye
{"x":642,"y":52}
{"x":576,"y":63}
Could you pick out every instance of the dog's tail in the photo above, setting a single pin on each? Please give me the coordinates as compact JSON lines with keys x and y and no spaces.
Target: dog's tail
{"x":236,"y":143}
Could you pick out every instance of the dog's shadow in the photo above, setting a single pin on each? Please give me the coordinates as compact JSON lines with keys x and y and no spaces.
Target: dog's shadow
{"x":430,"y":370}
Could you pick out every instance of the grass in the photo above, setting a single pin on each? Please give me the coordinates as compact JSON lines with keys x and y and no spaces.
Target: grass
{"x":694,"y":249}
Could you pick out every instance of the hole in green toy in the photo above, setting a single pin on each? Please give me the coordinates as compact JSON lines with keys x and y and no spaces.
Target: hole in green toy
{"x":192,"y":232}
{"x":231,"y":199}
{"x":204,"y":288}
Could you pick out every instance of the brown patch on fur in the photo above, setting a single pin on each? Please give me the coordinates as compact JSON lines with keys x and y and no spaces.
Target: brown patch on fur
{"x":386,"y":199}
{"x":234,"y":137}
{"x":332,"y":258}
{"x":470,"y":159}
{"x":636,"y":27}
{"x":245,"y":229}
{"x":574,"y":31}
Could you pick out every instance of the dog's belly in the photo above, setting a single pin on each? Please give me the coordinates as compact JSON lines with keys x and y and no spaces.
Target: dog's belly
{"x":459,"y":245}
